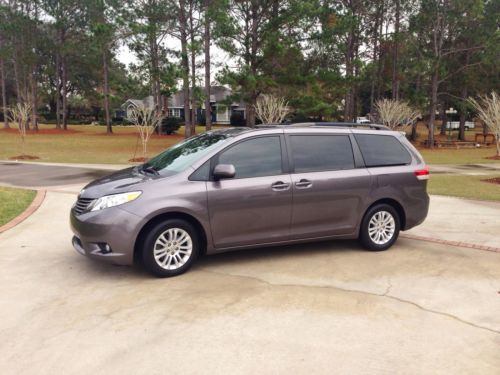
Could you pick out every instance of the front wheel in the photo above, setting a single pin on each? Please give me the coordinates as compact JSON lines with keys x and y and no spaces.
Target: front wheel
{"x":170,"y":248}
{"x":380,"y":227}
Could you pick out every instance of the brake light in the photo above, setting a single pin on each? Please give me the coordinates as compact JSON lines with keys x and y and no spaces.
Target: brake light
{"x":422,"y":174}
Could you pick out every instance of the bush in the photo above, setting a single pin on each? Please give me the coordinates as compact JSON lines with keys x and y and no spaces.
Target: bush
{"x":170,"y":125}
{"x":237,"y":119}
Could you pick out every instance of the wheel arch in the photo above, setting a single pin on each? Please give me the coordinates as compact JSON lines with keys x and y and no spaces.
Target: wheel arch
{"x":393,"y":203}
{"x":166,"y":216}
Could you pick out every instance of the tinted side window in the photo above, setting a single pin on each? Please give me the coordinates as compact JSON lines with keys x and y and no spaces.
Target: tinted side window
{"x":321,"y":153}
{"x":255,"y":157}
{"x":382,"y":150}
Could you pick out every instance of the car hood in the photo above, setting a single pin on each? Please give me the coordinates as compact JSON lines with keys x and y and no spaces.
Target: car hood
{"x":122,"y":181}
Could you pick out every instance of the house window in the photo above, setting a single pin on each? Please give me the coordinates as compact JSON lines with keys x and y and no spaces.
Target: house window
{"x":174,"y":112}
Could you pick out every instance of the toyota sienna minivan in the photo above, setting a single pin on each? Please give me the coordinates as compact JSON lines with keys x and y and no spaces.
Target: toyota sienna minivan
{"x":239,"y":188}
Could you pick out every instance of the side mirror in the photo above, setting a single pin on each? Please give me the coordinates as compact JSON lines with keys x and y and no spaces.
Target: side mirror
{"x":222,"y":171}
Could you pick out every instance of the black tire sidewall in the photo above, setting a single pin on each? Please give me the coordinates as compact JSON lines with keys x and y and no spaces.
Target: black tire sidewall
{"x":364,"y":235}
{"x":148,"y":259}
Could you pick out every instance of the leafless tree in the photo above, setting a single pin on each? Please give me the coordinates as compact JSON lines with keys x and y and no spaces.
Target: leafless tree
{"x":488,"y":111}
{"x":20,"y":113}
{"x":395,"y":113}
{"x":146,"y":120}
{"x":271,"y":109}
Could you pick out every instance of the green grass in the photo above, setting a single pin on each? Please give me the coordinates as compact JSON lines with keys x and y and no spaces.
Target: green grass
{"x":13,"y":202}
{"x":85,"y":144}
{"x":464,"y":186}
{"x":461,"y":156}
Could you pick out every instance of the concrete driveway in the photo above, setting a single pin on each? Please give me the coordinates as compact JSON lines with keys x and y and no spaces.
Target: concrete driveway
{"x":325,"y":308}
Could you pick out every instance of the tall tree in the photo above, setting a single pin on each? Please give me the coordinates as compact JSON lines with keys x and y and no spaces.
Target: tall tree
{"x":207,"y":62}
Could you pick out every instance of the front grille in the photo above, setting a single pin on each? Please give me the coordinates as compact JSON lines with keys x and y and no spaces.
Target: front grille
{"x":82,"y":204}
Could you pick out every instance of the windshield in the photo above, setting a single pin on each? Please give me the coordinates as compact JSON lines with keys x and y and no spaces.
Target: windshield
{"x":180,"y":156}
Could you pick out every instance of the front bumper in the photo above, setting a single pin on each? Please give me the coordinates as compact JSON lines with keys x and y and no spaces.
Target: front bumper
{"x":114,"y":227}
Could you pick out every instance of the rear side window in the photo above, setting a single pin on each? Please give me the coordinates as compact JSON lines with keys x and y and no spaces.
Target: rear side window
{"x":382,"y":150}
{"x":255,"y":157}
{"x":314,"y":153}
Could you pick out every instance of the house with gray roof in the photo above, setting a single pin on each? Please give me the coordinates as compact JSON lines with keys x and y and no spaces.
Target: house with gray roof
{"x":221,"y":110}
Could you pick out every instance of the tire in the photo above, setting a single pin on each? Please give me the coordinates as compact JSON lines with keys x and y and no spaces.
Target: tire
{"x":382,"y":237}
{"x":170,"y":248}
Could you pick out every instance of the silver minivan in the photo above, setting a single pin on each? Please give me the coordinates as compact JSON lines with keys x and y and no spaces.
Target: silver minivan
{"x":238,"y":188}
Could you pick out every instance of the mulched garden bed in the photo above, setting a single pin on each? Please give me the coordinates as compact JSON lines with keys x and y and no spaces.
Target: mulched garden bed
{"x":495,"y":180}
{"x":24,"y":157}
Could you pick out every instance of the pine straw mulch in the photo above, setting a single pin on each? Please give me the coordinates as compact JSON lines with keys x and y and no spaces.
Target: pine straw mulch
{"x":494,"y":180}
{"x":24,"y":157}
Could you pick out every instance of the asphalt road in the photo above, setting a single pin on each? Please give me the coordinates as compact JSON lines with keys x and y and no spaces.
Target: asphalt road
{"x":39,"y":175}
{"x":320,"y":308}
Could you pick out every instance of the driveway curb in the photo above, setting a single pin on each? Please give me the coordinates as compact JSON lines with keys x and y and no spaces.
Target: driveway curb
{"x":37,"y":201}
{"x":451,"y":243}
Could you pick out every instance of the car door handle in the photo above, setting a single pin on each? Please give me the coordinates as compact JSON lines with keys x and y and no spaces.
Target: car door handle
{"x":303,"y":184}
{"x":280,"y":185}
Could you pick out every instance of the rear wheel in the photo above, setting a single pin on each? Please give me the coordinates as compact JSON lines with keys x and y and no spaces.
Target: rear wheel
{"x":170,"y":248}
{"x":380,"y":227}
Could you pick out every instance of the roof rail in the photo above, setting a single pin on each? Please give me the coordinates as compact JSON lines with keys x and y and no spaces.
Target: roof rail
{"x":341,"y":125}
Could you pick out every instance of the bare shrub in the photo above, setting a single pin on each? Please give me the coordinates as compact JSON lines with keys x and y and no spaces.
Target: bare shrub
{"x":396,"y":113}
{"x":20,"y":113}
{"x":271,"y":109}
{"x":146,"y":120}
{"x":488,"y":111}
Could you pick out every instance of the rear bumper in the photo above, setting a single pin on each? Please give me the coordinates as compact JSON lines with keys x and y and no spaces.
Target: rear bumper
{"x":113,"y":227}
{"x":416,"y":214}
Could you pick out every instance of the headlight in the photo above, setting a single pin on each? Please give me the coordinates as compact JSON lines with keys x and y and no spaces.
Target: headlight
{"x":115,"y":200}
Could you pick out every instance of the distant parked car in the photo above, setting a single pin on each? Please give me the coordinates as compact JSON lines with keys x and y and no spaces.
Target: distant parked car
{"x":363,"y":120}
{"x":456,"y":125}
{"x":239,"y":188}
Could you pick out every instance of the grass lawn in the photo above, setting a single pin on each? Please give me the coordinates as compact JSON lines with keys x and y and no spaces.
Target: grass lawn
{"x":85,"y":144}
{"x":464,"y":186}
{"x":91,"y":144}
{"x":13,"y":202}
{"x":461,"y":156}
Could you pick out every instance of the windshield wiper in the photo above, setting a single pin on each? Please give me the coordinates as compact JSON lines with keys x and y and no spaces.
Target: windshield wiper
{"x":149,"y":169}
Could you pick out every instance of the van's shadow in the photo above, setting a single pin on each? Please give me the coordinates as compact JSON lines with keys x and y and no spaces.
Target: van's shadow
{"x":241,"y":257}
{"x":313,"y":249}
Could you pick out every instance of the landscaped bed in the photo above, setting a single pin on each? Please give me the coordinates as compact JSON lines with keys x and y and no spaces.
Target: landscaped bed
{"x":474,"y":187}
{"x":13,"y":202}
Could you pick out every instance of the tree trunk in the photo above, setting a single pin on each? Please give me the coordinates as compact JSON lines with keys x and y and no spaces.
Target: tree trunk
{"x":194,"y":117}
{"x":250,"y":113}
{"x":413,"y":136}
{"x":105,"y":70}
{"x":432,"y":107}
{"x":208,"y":105}
{"x":34,"y":101}
{"x":444,"y":118}
{"x":395,"y":57}
{"x":463,"y":95}
{"x":64,"y":94}
{"x":58,"y":91}
{"x":4,"y":96}
{"x":185,"y":66}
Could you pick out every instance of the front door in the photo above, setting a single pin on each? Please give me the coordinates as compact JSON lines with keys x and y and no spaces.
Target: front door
{"x":254,"y":207}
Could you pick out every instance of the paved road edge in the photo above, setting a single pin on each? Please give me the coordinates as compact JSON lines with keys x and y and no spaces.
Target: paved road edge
{"x":37,"y":202}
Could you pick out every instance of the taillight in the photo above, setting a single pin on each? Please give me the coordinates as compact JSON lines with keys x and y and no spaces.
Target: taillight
{"x":422,"y":174}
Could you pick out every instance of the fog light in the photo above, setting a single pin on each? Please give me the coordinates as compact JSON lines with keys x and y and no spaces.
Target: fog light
{"x":105,"y":248}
